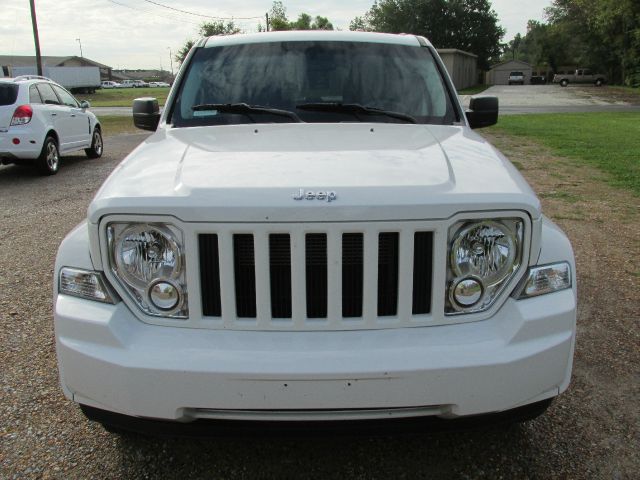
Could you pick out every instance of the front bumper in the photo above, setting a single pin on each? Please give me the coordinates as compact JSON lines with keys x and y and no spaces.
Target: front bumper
{"x":111,"y":361}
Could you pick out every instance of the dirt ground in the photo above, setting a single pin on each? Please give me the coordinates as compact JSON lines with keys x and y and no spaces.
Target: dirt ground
{"x":592,"y":431}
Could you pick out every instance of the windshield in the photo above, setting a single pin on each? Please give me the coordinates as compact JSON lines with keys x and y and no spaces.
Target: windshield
{"x":287,"y":75}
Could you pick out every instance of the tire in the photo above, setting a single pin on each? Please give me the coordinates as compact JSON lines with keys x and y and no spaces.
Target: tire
{"x":97,"y":146}
{"x":48,"y":162}
{"x":599,"y":82}
{"x":564,"y":83}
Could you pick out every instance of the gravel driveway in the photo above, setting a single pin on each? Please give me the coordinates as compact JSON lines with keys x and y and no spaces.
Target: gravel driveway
{"x":592,"y":431}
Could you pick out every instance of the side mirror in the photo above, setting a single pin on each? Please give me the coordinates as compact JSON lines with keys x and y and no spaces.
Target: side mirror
{"x":146,"y":113}
{"x":84,"y":104}
{"x":483,"y":112}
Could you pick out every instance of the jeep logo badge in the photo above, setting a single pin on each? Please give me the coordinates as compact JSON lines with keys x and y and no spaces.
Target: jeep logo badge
{"x":328,"y":196}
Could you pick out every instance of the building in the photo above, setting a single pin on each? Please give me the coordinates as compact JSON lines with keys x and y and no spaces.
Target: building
{"x":499,"y":74}
{"x":8,"y":62}
{"x":461,"y":65}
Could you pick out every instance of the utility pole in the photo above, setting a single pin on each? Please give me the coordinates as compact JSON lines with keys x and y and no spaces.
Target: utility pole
{"x":36,"y":38}
{"x":78,"y":40}
{"x":266,"y":16}
{"x":171,"y":61}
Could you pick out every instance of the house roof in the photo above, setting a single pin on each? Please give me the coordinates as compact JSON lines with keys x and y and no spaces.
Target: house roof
{"x":455,"y":50}
{"x":519,"y":62}
{"x":47,"y":60}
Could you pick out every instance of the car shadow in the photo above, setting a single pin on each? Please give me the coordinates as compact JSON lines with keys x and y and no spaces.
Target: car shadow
{"x":24,"y":171}
{"x":490,"y":452}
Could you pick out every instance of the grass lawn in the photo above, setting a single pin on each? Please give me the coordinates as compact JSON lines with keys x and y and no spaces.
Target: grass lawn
{"x":112,"y":124}
{"x":123,"y":97}
{"x":473,"y":90}
{"x":609,"y":141}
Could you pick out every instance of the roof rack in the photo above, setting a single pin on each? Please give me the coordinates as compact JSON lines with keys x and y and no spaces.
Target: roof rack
{"x":22,"y":78}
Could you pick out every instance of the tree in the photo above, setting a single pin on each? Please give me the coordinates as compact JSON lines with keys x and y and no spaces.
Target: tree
{"x":599,"y":34}
{"x":469,"y":25}
{"x":278,"y":20}
{"x":207,"y":29}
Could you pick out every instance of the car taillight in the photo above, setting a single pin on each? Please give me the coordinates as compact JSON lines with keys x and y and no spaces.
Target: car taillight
{"x":22,"y":115}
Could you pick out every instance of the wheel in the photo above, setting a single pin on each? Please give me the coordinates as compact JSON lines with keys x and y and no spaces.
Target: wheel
{"x":49,"y":160}
{"x":564,"y":83}
{"x":599,"y":82}
{"x":96,"y":145}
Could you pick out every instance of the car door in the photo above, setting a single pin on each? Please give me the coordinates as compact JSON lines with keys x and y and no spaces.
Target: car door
{"x":55,"y":115}
{"x":79,"y":124}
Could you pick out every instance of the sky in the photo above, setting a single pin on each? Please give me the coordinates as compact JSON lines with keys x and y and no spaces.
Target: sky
{"x":142,"y":34}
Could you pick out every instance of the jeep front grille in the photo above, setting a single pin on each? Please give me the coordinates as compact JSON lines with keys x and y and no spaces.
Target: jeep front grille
{"x":313,"y":279}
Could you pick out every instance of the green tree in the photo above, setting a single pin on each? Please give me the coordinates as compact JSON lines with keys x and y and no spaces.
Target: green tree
{"x":278,"y":20}
{"x":469,"y":25}
{"x":207,"y":29}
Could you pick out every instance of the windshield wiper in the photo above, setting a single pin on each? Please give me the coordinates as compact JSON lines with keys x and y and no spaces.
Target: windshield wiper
{"x":354,"y":108}
{"x":246,"y":109}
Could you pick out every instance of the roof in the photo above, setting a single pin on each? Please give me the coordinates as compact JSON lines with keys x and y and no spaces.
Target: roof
{"x":520,"y":62}
{"x":47,"y":60}
{"x":455,"y":50}
{"x":314,"y":35}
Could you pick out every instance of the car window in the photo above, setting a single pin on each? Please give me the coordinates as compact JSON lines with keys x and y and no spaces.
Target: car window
{"x":586,"y":72}
{"x":47,"y":94}
{"x":34,"y":95}
{"x":66,"y":98}
{"x":283,"y":75}
{"x":8,"y":93}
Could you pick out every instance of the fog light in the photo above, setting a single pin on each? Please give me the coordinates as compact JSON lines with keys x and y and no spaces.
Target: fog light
{"x":467,"y":292}
{"x":164,"y":295}
{"x":85,"y":284}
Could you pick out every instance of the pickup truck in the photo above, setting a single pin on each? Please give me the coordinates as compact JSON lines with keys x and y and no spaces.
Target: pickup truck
{"x":313,"y":233}
{"x":580,"y":76}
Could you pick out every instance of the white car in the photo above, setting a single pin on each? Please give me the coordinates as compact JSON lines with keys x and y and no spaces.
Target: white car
{"x":516,"y":78}
{"x":40,"y":121}
{"x":134,"y":83}
{"x":159,"y":84}
{"x":326,"y":240}
{"x":110,"y":84}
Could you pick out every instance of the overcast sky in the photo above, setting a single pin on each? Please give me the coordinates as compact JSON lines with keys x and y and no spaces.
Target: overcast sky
{"x":139,"y":34}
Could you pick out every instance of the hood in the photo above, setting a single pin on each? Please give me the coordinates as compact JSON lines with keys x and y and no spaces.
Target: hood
{"x":252,"y":172}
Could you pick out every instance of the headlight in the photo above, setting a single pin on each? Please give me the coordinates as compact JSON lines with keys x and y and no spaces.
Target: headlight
{"x":149,"y":262}
{"x":484,"y":256}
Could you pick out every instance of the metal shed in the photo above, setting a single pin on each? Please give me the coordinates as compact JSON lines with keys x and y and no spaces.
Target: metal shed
{"x":461,"y":65}
{"x":499,"y":74}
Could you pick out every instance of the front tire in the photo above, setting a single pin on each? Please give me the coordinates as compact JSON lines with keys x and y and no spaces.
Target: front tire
{"x":49,"y":160}
{"x":564,"y":83}
{"x":97,"y":146}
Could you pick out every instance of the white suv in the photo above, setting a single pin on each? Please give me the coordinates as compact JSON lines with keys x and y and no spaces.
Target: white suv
{"x":40,"y":121}
{"x":314,"y":232}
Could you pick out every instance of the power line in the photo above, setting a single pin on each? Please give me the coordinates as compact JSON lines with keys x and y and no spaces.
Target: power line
{"x":171,"y":17}
{"x":200,"y":14}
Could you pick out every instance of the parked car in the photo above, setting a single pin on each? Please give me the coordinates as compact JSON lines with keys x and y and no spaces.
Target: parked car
{"x":580,"y":76}
{"x":40,"y":121}
{"x":328,"y":240}
{"x":159,"y":84}
{"x":516,"y":78}
{"x":538,"y":80}
{"x":110,"y":84}
{"x":135,"y":83}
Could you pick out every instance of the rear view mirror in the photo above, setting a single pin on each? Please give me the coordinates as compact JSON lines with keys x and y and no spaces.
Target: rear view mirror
{"x":84,"y":104}
{"x":483,"y":112}
{"x":146,"y":113}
